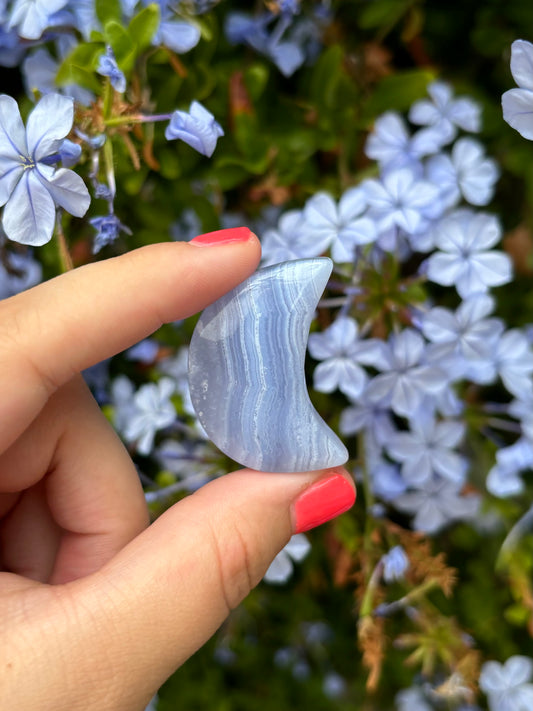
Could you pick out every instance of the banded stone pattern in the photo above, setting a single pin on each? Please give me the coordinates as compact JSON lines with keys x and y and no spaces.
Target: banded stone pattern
{"x":246,"y":371}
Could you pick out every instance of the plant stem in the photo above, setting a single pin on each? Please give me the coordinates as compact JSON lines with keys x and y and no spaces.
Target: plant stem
{"x":64,"y":254}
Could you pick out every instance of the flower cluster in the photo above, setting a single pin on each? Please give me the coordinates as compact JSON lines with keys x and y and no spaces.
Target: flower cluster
{"x":406,"y":391}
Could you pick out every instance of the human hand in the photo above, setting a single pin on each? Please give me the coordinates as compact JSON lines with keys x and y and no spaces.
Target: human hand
{"x":87,"y":588}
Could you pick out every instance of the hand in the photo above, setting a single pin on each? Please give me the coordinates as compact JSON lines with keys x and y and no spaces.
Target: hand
{"x":87,"y":587}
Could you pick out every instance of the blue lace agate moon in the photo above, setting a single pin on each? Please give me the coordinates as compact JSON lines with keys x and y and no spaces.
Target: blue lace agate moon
{"x":246,"y":371}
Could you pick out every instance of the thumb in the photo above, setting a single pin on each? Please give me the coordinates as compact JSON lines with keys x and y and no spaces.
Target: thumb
{"x":169,"y":590}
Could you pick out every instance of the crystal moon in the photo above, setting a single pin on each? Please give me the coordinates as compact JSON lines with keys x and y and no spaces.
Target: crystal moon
{"x":246,"y":371}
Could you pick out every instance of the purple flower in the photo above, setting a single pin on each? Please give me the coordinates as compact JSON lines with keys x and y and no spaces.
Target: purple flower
{"x":465,"y":258}
{"x":281,"y":568}
{"x":107,"y":229}
{"x":197,"y":127}
{"x":29,"y":188}
{"x":517,"y":104}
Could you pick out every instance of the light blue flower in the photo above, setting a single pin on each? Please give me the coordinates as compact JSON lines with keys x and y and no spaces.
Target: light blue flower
{"x":517,"y":104}
{"x":400,"y":199}
{"x":444,"y":113}
{"x":427,"y":450}
{"x":508,"y":686}
{"x":32,"y":17}
{"x":393,"y":147}
{"x":30,"y":188}
{"x":289,"y":240}
{"x":39,"y":71}
{"x":465,"y":258}
{"x":504,"y":479}
{"x":395,"y":564}
{"x":339,"y":349}
{"x":436,"y":505}
{"x":342,"y":226}
{"x":467,"y":172}
{"x":465,"y":332}
{"x":197,"y":127}
{"x":412,"y":699}
{"x":152,"y":410}
{"x":108,"y":67}
{"x":513,"y":360}
{"x":365,"y":415}
{"x":405,"y":378}
{"x":281,"y":568}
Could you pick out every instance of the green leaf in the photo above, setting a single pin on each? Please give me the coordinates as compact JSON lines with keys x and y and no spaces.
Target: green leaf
{"x":79,"y":66}
{"x":256,"y":78}
{"x":384,"y":13}
{"x":144,"y":25}
{"x":121,"y":44}
{"x":107,"y":10}
{"x":326,"y":77}
{"x":398,"y":91}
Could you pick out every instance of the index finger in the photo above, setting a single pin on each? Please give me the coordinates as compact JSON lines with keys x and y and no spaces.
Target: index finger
{"x":57,"y":329}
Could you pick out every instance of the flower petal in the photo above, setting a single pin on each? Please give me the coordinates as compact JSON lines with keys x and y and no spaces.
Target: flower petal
{"x":29,"y":214}
{"x":12,"y":132}
{"x":48,"y":124}
{"x":522,"y":63}
{"x":68,"y":191}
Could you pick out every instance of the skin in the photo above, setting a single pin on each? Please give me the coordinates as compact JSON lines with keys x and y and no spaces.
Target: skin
{"x":97,"y":608}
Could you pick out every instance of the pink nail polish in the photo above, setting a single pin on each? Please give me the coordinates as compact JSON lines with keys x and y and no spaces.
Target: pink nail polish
{"x":322,"y":501}
{"x":219,"y":237}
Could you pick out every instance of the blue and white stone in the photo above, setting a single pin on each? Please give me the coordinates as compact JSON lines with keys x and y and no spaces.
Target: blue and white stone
{"x":246,"y":371}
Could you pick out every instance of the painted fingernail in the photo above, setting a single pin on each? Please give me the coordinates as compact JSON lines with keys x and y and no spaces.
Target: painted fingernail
{"x":219,"y":237}
{"x":322,"y":501}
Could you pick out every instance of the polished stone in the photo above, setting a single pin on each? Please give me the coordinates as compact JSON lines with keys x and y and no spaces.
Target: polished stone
{"x":246,"y":371}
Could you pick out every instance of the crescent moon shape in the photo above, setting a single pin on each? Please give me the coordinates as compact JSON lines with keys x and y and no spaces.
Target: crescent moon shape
{"x":246,"y":371}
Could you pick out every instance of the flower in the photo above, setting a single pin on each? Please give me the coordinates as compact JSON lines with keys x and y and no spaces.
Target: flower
{"x":280,"y":570}
{"x":517,"y":104}
{"x":405,"y":379}
{"x":289,"y":240}
{"x":466,"y":331}
{"x":395,"y":564}
{"x":438,"y":504}
{"x":337,"y":347}
{"x":427,"y":450}
{"x":466,"y":172}
{"x":444,"y":113}
{"x":508,"y":686}
{"x":465,"y":258}
{"x":399,"y":199}
{"x":393,"y":147}
{"x":32,"y":17}
{"x":197,"y":127}
{"x":503,"y":479}
{"x":30,"y":188}
{"x":142,"y":414}
{"x":107,"y":229}
{"x":108,"y":67}
{"x":343,"y":226}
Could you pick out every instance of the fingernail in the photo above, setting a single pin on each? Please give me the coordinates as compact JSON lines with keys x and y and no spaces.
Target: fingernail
{"x":322,"y":501}
{"x":219,"y":237}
